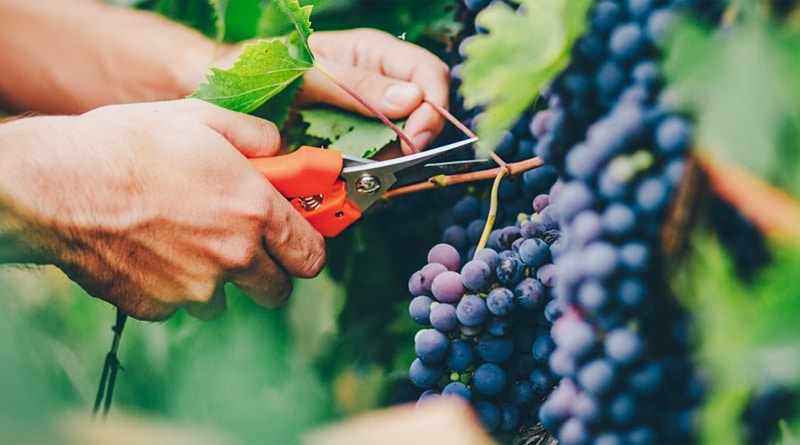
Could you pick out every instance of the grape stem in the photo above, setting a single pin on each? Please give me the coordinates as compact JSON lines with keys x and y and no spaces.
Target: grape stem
{"x":377,"y":113}
{"x":460,"y":178}
{"x":487,"y":228}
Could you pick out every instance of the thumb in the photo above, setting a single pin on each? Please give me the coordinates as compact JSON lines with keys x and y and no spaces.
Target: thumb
{"x":252,"y":136}
{"x":392,"y":97}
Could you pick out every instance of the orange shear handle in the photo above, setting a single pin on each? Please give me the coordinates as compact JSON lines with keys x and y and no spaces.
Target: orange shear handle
{"x":309,"y":177}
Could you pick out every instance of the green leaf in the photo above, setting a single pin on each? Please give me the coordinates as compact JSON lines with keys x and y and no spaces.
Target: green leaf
{"x":277,"y":109}
{"x":301,"y":19}
{"x":742,"y":86}
{"x":348,"y":132}
{"x":506,"y":68}
{"x":263,"y":70}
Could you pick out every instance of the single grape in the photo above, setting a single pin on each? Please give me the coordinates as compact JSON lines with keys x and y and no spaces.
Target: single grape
{"x":420,"y":309}
{"x":471,"y":310}
{"x":446,"y":255}
{"x":447,"y":287}
{"x":431,"y":345}
{"x":443,"y":317}
{"x":500,"y":301}
{"x":476,"y":275}
{"x":489,"y":378}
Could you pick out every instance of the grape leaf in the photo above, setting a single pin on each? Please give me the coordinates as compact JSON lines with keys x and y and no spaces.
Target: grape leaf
{"x":348,"y":132}
{"x":264,"y":68}
{"x":505,"y":68}
{"x":301,"y":19}
{"x":742,"y":87}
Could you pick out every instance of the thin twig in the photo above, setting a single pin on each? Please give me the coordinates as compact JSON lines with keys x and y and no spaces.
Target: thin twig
{"x":377,"y":113}
{"x":481,"y":175}
{"x":443,"y":111}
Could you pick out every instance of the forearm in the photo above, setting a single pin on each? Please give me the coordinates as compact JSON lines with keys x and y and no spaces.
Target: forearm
{"x":68,"y":56}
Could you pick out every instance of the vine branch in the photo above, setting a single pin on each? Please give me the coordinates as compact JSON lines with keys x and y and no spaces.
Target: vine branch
{"x":481,"y":175}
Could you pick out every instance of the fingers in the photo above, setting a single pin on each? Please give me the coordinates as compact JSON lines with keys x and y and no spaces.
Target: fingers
{"x":265,"y":282}
{"x":392,"y":97}
{"x":358,"y":57}
{"x":252,"y":136}
{"x":290,"y":240}
{"x":211,"y":309}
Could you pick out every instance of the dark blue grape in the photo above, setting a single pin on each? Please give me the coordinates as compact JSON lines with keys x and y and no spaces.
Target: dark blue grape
{"x":424,"y":375}
{"x":431,"y":345}
{"x":420,"y":309}
{"x":673,"y":135}
{"x":472,"y":310}
{"x":488,"y":414}
{"x":543,"y":347}
{"x":529,"y":293}
{"x":510,"y":270}
{"x":457,"y":389}
{"x":461,"y":355}
{"x":494,"y":349}
{"x":500,"y":301}
{"x":623,"y":346}
{"x":534,"y":252}
{"x":626,"y":41}
{"x":489,"y":378}
{"x":443,"y":317}
{"x":596,"y":376}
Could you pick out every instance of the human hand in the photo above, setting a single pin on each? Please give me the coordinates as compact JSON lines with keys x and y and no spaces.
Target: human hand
{"x":152,"y":206}
{"x":393,"y":75}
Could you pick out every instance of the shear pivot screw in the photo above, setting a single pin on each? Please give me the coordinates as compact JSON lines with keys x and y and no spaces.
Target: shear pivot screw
{"x":367,"y":185}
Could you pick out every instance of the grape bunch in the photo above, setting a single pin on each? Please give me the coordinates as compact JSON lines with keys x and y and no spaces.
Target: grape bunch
{"x":622,"y":345}
{"x":486,"y":324}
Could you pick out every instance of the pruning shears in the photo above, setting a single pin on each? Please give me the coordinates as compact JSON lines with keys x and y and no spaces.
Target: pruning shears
{"x":331,"y":190}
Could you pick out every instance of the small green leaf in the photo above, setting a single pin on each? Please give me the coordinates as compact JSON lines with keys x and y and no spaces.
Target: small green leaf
{"x":301,"y":19}
{"x":348,"y":132}
{"x":263,"y":70}
{"x":506,"y":68}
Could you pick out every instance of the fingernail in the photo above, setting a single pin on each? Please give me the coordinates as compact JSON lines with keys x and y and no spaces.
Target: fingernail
{"x":399,"y":95}
{"x":421,"y":140}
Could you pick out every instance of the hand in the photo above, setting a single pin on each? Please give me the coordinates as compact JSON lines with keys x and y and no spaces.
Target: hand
{"x":153,"y":207}
{"x":391,"y":74}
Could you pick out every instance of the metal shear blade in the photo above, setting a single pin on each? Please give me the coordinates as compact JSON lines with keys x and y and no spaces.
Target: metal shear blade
{"x":368,"y":181}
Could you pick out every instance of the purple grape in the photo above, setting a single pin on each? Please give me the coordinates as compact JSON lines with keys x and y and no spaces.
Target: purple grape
{"x":546,"y":274}
{"x":447,"y":287}
{"x":420,"y":281}
{"x":488,"y":256}
{"x":510,"y":270}
{"x":476,"y":275}
{"x":540,"y":202}
{"x":445,"y":254}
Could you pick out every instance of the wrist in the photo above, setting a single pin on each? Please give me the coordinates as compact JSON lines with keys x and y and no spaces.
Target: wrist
{"x":21,"y":239}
